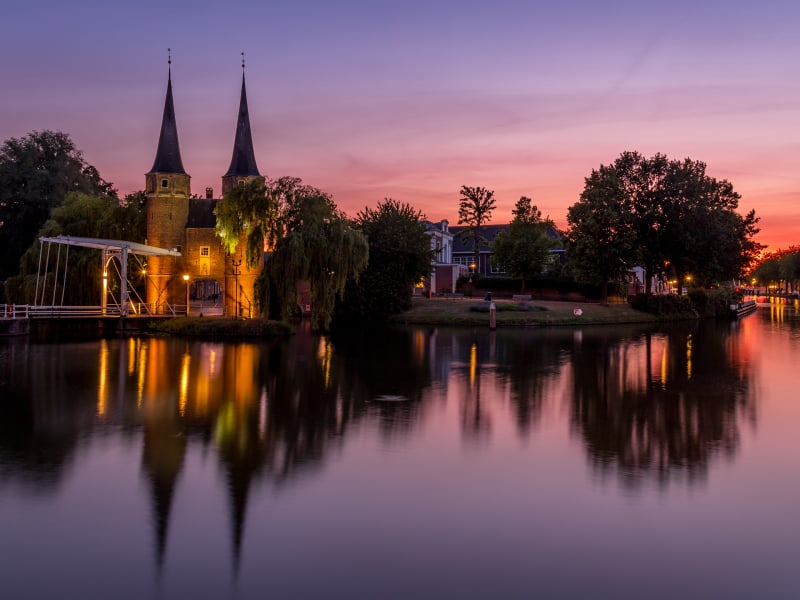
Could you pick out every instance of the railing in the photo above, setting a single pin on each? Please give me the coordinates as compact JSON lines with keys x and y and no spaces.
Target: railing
{"x":26,"y":311}
{"x":13,"y":311}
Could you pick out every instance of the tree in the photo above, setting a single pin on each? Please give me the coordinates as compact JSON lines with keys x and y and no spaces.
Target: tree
{"x":703,"y":235}
{"x":677,"y":220}
{"x":81,"y":215}
{"x":601,"y":238}
{"x":474,"y":210}
{"x":320,"y":247}
{"x":36,"y":174}
{"x":399,"y":256}
{"x":309,"y":240}
{"x":525,"y":250}
{"x":641,"y":180}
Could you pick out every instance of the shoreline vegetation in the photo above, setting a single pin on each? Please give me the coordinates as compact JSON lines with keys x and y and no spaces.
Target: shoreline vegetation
{"x":536,"y":313}
{"x":474,"y":312}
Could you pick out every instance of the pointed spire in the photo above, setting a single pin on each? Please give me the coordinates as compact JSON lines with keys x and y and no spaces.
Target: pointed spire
{"x":168,"y":155}
{"x":243,"y":162}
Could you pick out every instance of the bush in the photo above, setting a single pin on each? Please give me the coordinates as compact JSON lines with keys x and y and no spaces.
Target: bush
{"x":664,"y":305}
{"x":698,"y":302}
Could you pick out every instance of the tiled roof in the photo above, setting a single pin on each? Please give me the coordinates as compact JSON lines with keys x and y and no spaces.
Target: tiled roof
{"x":201,"y":213}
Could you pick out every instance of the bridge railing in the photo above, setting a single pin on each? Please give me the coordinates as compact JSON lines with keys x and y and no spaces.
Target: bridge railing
{"x":13,"y":311}
{"x":27,"y":311}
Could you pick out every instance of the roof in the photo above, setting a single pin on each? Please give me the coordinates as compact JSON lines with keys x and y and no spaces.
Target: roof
{"x":201,"y":213}
{"x":243,"y":161}
{"x":168,"y":154}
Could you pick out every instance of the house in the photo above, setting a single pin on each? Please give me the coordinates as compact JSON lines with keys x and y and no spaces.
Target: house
{"x":444,"y":272}
{"x":464,"y":253}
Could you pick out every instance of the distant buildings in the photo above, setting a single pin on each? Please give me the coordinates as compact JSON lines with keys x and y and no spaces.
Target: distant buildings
{"x":454,"y":255}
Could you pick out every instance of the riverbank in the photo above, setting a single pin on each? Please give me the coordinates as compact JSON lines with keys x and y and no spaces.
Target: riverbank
{"x":475,"y":312}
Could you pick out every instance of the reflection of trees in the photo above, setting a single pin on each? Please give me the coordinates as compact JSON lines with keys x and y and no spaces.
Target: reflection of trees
{"x":659,"y":404}
{"x":39,"y":430}
{"x":531,"y":364}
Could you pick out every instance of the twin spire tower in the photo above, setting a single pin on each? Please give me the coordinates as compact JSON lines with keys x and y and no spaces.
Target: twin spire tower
{"x":215,"y":280}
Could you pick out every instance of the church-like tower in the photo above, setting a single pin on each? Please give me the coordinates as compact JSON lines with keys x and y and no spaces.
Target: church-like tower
{"x":243,"y":167}
{"x":168,"y":191}
{"x":240,"y":278}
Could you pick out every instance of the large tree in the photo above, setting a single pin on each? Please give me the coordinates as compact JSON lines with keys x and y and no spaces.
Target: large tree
{"x":601,"y":237}
{"x":704,"y":236}
{"x":399,"y":256}
{"x":36,"y":174}
{"x":474,"y":210}
{"x":309,"y":240}
{"x":667,"y":216}
{"x":525,"y":250}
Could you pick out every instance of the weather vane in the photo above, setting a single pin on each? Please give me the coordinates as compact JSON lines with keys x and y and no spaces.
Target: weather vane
{"x":169,"y":56}
{"x":243,"y":60}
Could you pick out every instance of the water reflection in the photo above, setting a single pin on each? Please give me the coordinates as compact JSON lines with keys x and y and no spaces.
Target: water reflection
{"x":662,"y":405}
{"x":644,"y":404}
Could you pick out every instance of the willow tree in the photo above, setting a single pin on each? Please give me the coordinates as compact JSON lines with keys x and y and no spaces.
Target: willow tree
{"x":308,"y":238}
{"x":247,"y":214}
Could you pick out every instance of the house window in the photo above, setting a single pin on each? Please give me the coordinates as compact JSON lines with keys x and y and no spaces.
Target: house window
{"x":205,"y":251}
{"x":463,"y":260}
{"x":164,"y":183}
{"x":495,"y":267}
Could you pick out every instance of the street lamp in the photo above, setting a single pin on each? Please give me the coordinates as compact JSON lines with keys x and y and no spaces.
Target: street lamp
{"x":186,"y":279}
{"x":236,"y":264}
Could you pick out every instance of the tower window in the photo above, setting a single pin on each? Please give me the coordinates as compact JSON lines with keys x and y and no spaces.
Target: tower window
{"x":205,"y":251}
{"x":164,"y":183}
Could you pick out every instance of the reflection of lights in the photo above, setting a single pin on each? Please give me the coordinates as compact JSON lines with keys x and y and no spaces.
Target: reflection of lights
{"x":664,"y":367}
{"x":102,"y":385}
{"x":419,"y":345}
{"x":325,"y":354}
{"x":184,"y":389}
{"x":262,"y":414}
{"x":473,"y":363}
{"x":132,"y":355}
{"x":212,"y":363}
{"x":141,"y":360}
{"x":689,"y":357}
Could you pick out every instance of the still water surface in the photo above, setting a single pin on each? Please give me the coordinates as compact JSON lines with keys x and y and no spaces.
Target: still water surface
{"x":621,"y":462}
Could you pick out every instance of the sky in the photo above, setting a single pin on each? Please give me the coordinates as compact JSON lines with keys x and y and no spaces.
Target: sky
{"x":411,"y":100}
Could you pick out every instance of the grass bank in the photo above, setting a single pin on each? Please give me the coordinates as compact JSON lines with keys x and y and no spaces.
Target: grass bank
{"x":220,"y":327}
{"x":474,"y":312}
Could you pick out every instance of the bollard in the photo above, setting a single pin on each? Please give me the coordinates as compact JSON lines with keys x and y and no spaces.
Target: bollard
{"x":492,"y":316}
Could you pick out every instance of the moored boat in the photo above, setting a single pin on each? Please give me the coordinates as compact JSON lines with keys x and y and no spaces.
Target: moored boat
{"x":743,"y":308}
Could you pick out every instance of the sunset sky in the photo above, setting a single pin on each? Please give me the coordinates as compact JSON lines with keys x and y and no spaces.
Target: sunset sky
{"x":412,"y":100}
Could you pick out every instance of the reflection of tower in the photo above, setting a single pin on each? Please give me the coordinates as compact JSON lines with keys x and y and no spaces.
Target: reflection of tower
{"x":168,"y":191}
{"x":162,"y":461}
{"x":241,"y":453}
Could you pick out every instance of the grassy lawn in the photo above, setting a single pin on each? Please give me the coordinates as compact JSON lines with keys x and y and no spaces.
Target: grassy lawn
{"x":457,"y":311}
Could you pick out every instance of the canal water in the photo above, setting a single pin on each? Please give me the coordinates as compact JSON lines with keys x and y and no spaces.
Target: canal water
{"x":624,"y":462}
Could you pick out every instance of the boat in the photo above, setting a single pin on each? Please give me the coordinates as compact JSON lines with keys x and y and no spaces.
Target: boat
{"x":742,"y":308}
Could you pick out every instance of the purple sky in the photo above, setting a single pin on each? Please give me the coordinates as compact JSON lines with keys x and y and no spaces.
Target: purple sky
{"x":412,"y":100}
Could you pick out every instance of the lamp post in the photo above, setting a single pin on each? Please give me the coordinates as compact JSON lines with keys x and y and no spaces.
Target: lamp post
{"x":186,"y":279}
{"x":235,"y":264}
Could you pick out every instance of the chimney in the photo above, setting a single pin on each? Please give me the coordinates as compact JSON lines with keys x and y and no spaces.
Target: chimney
{"x":209,"y":193}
